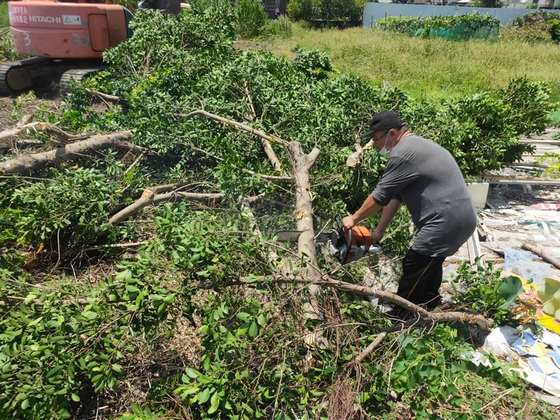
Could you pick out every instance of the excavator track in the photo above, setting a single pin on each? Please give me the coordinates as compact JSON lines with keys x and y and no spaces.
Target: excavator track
{"x":22,"y":75}
{"x":69,"y":77}
{"x":43,"y":73}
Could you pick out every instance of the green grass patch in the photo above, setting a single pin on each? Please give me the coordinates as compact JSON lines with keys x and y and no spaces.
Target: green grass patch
{"x":429,"y":67}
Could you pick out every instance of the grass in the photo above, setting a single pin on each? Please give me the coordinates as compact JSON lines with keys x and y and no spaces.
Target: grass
{"x":428,"y":67}
{"x":4,"y":14}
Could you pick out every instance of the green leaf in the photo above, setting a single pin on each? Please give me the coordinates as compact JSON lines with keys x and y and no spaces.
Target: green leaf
{"x":75,"y":397}
{"x":89,"y":315}
{"x":192,"y":373}
{"x":25,"y":404}
{"x":203,"y":396}
{"x":509,"y":288}
{"x":214,"y":403}
{"x":243,"y":316}
{"x":185,"y":391}
{"x":253,"y":329}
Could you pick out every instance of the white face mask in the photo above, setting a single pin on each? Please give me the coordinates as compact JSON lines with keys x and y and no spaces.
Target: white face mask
{"x":385,"y":150}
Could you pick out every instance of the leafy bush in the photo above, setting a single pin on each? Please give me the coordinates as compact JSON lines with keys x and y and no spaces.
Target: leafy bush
{"x":483,"y":291}
{"x":280,"y":27}
{"x":450,"y":27}
{"x":296,"y":100}
{"x":221,"y":386}
{"x":314,"y":63}
{"x":327,"y":12}
{"x":207,"y":31}
{"x":251,"y":18}
{"x":530,"y":104}
{"x":208,"y":246}
{"x":4,"y":20}
{"x":537,"y":26}
{"x":7,"y":49}
{"x":552,"y":162}
{"x":554,"y":30}
{"x":55,"y":357}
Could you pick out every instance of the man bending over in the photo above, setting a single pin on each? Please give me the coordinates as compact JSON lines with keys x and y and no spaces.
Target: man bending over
{"x":425,"y":177}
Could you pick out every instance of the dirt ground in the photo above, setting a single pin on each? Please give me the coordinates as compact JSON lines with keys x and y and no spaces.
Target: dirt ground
{"x":13,"y":109}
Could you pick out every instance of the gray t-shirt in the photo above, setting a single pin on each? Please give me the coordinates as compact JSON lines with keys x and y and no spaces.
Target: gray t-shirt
{"x":424,"y":176}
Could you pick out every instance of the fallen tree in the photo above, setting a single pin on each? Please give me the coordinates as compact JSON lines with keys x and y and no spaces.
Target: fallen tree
{"x":302,"y":164}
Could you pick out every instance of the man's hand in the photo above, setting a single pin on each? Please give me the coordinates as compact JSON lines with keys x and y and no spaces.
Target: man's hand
{"x":348,"y":222}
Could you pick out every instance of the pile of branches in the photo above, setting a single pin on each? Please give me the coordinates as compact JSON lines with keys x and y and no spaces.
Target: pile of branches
{"x":251,"y":144}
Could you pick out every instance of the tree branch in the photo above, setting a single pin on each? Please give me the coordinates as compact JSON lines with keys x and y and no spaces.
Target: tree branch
{"x":312,"y":157}
{"x":365,"y":353}
{"x":356,"y":157}
{"x":33,"y":161}
{"x":63,"y":136}
{"x":247,"y":171}
{"x":463,"y":317}
{"x":157,"y":194}
{"x":106,"y":97}
{"x":240,"y":126}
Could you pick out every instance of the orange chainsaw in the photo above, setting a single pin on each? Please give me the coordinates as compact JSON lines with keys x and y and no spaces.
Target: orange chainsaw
{"x":347,"y":245}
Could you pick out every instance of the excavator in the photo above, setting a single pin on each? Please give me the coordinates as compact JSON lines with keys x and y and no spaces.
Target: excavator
{"x":64,"y":40}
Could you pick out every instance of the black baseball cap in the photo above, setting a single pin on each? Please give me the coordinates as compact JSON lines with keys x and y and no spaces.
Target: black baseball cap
{"x":383,"y":121}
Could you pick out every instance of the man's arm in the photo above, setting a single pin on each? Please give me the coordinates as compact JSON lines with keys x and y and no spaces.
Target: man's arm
{"x":368,"y":208}
{"x":387,"y":215}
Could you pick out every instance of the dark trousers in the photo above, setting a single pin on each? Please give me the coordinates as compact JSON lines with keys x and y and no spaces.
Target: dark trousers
{"x":421,"y":279}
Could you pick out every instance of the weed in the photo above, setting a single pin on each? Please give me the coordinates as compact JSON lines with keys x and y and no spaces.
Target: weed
{"x":251,"y":18}
{"x":552,"y":160}
{"x":280,"y":27}
{"x":482,"y":289}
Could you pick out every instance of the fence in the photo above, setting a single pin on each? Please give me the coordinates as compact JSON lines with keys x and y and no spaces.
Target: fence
{"x":376,"y":11}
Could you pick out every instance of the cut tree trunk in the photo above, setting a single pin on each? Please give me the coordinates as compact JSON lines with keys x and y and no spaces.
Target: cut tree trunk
{"x":33,"y":161}
{"x":302,"y":164}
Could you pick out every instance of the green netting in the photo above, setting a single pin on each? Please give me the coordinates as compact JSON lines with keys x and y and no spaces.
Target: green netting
{"x":460,"y":27}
